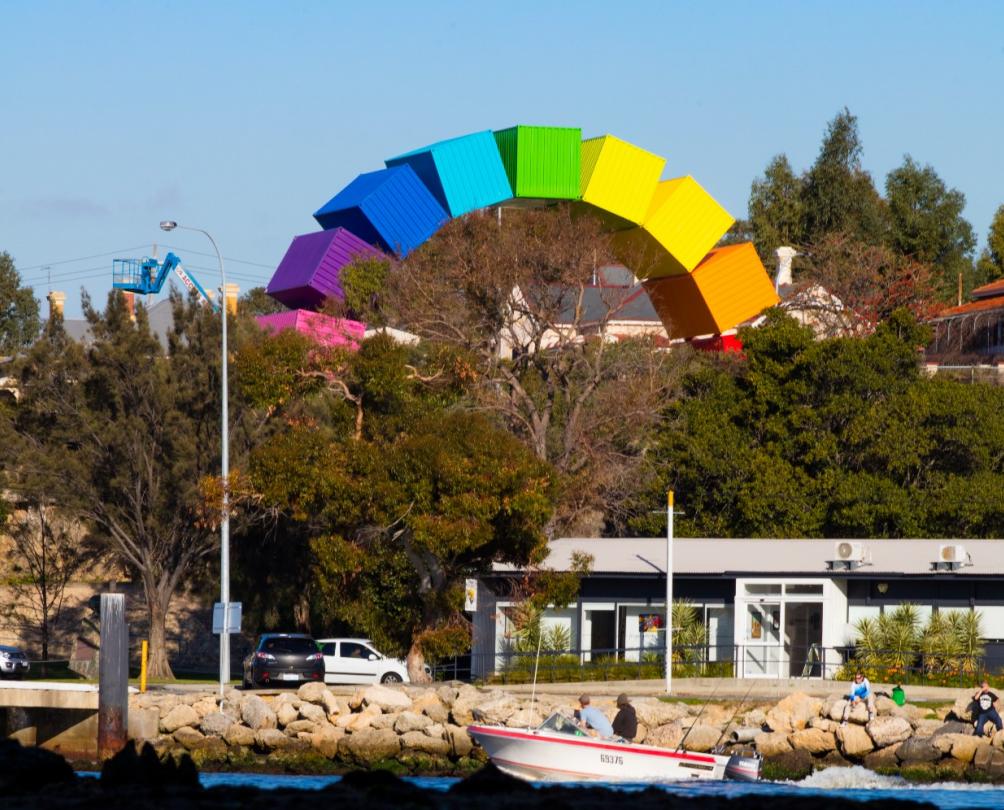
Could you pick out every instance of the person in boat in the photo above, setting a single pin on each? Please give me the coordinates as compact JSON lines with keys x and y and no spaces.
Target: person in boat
{"x":861,"y":692}
{"x":592,"y":719}
{"x":626,"y":721}
{"x":985,"y":701}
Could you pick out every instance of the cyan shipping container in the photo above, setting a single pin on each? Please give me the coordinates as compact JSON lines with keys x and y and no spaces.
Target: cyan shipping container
{"x":391,"y":208}
{"x":310,"y":272}
{"x":463,"y":173}
{"x":542,"y":162}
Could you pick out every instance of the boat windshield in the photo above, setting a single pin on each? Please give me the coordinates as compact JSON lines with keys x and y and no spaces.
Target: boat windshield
{"x":562,"y":724}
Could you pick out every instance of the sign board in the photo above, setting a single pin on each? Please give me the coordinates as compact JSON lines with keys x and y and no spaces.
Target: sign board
{"x":471,"y":595}
{"x":234,"y":618}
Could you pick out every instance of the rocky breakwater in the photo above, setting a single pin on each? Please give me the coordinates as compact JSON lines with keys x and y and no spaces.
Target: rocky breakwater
{"x":313,"y":730}
{"x":802,"y":733}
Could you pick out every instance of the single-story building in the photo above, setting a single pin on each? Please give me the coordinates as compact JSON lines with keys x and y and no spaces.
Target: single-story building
{"x":774,"y":608}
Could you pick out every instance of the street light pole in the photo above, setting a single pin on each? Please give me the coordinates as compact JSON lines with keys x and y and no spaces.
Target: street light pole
{"x":669,"y":592}
{"x":169,"y":225}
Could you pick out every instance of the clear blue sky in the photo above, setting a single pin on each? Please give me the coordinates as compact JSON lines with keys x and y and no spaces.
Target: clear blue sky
{"x":244,"y":117}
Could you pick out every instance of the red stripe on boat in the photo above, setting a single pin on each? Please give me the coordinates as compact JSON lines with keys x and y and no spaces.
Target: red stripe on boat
{"x":522,"y":735}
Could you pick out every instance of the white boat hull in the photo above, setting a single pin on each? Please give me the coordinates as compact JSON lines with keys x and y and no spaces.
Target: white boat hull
{"x":548,"y":756}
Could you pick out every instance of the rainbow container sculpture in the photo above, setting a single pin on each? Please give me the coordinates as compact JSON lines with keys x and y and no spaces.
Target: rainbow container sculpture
{"x":665,"y":231}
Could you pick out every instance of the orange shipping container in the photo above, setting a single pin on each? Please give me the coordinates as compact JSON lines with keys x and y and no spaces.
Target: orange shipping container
{"x":728,"y":287}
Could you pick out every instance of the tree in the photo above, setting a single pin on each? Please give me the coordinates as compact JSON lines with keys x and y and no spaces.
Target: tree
{"x":47,"y":553}
{"x":122,"y":435}
{"x":19,"y":321}
{"x":926,"y":223}
{"x":990,"y":266}
{"x":513,"y":301}
{"x":257,"y":302}
{"x":838,"y":195}
{"x":776,"y":209}
{"x":392,"y":496}
{"x":850,"y":287}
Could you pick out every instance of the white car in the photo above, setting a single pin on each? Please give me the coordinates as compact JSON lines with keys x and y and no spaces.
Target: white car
{"x":356,"y":660}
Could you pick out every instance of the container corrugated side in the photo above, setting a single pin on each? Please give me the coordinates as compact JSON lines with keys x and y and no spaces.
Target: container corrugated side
{"x":541,"y":162}
{"x":463,"y":173}
{"x":619,"y":177}
{"x":310,"y":272}
{"x":686,"y":221}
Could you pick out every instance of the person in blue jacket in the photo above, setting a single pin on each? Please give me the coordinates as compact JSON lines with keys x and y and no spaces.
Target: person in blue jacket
{"x":592,"y":719}
{"x":861,"y":692}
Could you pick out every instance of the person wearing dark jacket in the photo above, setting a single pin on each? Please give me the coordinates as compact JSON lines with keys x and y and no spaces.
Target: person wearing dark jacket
{"x":985,"y":710}
{"x":626,"y":721}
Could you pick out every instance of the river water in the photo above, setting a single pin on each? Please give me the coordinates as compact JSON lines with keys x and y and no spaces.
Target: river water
{"x":853,"y":783}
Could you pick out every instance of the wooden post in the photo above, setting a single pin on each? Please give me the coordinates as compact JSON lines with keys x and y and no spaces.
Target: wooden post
{"x":113,"y":676}
{"x":144,"y":649}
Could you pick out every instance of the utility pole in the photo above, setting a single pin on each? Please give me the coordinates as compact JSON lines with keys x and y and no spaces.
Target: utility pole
{"x":669,"y":592}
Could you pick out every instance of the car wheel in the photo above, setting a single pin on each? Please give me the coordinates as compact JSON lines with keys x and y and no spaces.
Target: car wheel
{"x":391,"y":677}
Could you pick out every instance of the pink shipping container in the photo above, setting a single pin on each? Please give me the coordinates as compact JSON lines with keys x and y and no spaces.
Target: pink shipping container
{"x":324,"y":329}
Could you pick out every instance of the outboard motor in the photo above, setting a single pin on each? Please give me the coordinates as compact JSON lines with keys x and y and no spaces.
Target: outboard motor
{"x":744,"y":767}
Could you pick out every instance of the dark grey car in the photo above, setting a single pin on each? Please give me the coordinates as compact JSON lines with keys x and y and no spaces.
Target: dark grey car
{"x":283,"y":658}
{"x":13,"y":662}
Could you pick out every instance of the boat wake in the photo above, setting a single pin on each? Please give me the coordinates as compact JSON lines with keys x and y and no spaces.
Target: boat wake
{"x":860,"y":778}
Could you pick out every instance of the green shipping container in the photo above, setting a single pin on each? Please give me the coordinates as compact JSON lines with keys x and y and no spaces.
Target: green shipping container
{"x":542,"y":162}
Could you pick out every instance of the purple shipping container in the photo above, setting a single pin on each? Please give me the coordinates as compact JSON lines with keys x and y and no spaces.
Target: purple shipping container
{"x":311,"y":269}
{"x":325,"y":330}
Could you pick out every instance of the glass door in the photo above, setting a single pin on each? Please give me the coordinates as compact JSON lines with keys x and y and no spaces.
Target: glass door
{"x":762,"y":640}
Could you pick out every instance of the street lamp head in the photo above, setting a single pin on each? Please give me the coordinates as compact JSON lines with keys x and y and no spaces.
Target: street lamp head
{"x":168,"y":225}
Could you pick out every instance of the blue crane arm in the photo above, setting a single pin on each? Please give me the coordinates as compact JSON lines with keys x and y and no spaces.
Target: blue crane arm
{"x":146,"y":276}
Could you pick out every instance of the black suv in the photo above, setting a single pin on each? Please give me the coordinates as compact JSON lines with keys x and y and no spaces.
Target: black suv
{"x":283,"y":658}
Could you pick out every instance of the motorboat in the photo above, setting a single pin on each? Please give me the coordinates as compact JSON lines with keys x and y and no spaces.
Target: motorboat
{"x":560,"y":751}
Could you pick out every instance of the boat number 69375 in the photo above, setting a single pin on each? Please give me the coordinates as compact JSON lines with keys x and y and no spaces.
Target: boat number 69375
{"x":611,"y":759}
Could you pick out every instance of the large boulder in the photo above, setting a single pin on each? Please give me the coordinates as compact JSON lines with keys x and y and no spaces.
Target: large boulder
{"x":962,"y":709}
{"x":702,"y":737}
{"x":882,"y":758}
{"x":926,"y":727}
{"x":429,"y":704}
{"x":189,"y":737}
{"x":239,"y":735}
{"x":216,"y":724}
{"x":270,"y":739}
{"x":885,"y":731}
{"x":377,"y":721}
{"x":204,"y":706}
{"x":854,"y":741}
{"x":914,"y":714}
{"x":286,"y":713}
{"x":858,"y":713}
{"x":467,"y":697}
{"x":953,"y":727}
{"x":959,"y":746}
{"x":410,"y":721}
{"x":313,"y":713}
{"x":419,"y":741}
{"x":917,"y":749}
{"x":389,"y":700}
{"x":667,"y":736}
{"x":313,"y":693}
{"x":298,"y":727}
{"x":654,"y":713}
{"x":362,"y":720}
{"x":772,"y":744}
{"x":823,"y":724}
{"x":793,"y":713}
{"x":257,"y":714}
{"x":813,"y":740}
{"x":989,"y":760}
{"x":180,"y":715}
{"x":325,"y":741}
{"x":497,"y":710}
{"x":459,"y":740}
{"x":368,"y":746}
{"x":330,"y":703}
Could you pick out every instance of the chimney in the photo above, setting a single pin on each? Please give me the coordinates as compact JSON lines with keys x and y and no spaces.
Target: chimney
{"x":130,"y":302}
{"x":56,"y":301}
{"x":230,"y":293}
{"x":784,"y":256}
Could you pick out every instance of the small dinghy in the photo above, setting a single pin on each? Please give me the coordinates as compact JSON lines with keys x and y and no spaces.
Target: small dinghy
{"x":559,"y":751}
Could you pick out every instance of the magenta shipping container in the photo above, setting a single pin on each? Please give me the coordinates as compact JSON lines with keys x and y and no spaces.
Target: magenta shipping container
{"x":311,"y":269}
{"x":324,"y":329}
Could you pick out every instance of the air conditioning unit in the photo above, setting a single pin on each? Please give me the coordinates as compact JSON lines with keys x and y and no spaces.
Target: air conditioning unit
{"x":849,"y":552}
{"x":953,"y":554}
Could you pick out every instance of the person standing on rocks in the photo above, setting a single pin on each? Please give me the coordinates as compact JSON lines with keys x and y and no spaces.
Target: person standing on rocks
{"x":861,"y":692}
{"x":592,"y":719}
{"x":985,"y":700}
{"x":626,"y":721}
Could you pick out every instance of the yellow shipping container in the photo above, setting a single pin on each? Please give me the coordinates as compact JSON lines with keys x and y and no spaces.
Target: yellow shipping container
{"x":727,"y":288}
{"x":619,"y":177}
{"x":682,"y":224}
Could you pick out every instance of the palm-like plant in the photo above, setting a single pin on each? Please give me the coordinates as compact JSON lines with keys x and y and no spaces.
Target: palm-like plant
{"x":689,"y":633}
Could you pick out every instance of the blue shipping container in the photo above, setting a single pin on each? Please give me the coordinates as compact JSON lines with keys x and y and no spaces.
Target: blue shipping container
{"x":389,"y":207}
{"x":462,"y":173}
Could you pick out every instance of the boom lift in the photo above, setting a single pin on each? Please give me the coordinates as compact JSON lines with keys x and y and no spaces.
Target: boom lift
{"x":147,"y":276}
